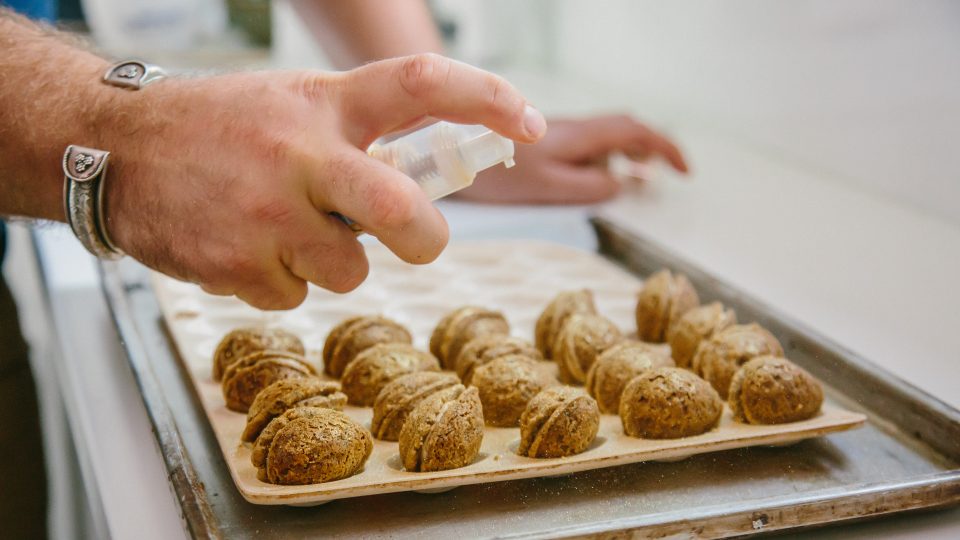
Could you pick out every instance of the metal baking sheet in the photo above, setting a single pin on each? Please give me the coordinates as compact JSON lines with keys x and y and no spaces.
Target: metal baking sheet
{"x":906,"y":457}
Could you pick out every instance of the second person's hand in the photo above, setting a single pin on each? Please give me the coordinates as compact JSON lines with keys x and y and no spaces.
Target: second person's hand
{"x":569,"y":165}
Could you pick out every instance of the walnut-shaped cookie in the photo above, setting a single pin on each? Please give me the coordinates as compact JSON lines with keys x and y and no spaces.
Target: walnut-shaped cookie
{"x":245,"y":378}
{"x":559,"y":421}
{"x":355,"y":335}
{"x":696,"y":325}
{"x":581,"y":340}
{"x":285,"y":394}
{"x":443,"y":432}
{"x":400,"y":396}
{"x":507,"y":384}
{"x":310,"y":445}
{"x":665,"y":297}
{"x":669,"y":403}
{"x":461,"y":326}
{"x":555,"y":315}
{"x":719,"y":357}
{"x":771,"y":390}
{"x":243,"y":341}
{"x":617,"y":366}
{"x":487,"y":348}
{"x":376,"y":366}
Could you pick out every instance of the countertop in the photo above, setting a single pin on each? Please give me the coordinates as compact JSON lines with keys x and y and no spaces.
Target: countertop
{"x":870,"y":273}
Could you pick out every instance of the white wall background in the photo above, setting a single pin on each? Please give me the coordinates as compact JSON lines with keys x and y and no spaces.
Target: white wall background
{"x":867,"y":91}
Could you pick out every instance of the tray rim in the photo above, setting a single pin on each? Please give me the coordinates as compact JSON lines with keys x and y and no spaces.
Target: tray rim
{"x":452,"y":481}
{"x":202,"y":522}
{"x":923,"y":492}
{"x":197,"y":515}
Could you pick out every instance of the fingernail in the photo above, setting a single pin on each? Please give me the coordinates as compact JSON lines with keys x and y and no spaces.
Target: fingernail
{"x":533,"y":122}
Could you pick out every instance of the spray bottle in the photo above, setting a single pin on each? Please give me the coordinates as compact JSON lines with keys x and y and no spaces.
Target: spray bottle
{"x":443,"y":157}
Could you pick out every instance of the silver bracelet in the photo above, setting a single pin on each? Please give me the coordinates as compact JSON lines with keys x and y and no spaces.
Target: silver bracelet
{"x":85,"y":169}
{"x":133,"y":74}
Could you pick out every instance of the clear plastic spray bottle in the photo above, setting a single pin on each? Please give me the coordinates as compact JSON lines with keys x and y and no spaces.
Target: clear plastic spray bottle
{"x":443,"y":157}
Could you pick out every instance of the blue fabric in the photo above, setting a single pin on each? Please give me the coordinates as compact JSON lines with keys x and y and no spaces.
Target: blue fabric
{"x":35,"y":9}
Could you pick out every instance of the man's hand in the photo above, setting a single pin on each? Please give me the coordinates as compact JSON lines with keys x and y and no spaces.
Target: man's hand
{"x":229,"y":181}
{"x":569,"y":164}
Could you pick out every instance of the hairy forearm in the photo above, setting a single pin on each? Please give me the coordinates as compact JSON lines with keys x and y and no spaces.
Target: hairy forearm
{"x":360,"y":31}
{"x":50,"y":97}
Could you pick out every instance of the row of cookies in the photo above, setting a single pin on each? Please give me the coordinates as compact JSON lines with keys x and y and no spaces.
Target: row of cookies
{"x":507,"y":376}
{"x":436,"y":421}
{"x":634,"y":379}
{"x":742,"y":363}
{"x":294,"y":418}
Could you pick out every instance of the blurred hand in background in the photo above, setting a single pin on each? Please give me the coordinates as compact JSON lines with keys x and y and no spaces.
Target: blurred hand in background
{"x":567,"y":167}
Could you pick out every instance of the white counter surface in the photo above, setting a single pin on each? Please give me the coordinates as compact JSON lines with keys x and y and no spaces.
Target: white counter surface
{"x":869,"y":273}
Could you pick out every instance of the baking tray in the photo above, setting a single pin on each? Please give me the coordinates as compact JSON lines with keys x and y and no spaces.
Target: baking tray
{"x":518,"y":279}
{"x":905,"y":457}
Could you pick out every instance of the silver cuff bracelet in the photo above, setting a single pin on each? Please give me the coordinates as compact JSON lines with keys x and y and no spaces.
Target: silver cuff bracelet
{"x":133,"y":74}
{"x":84,"y":169}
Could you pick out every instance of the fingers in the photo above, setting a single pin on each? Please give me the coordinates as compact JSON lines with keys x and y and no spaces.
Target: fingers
{"x":383,"y":201}
{"x":323,"y":251}
{"x":553,"y":184}
{"x":260,"y":280}
{"x":271,"y":287}
{"x":310,"y":247}
{"x":383,"y":96}
{"x":599,"y":136}
{"x":671,"y":153}
{"x":579,"y":185}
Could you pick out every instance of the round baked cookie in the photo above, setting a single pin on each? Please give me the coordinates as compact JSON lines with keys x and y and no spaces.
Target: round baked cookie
{"x":286,"y":394}
{"x":581,"y":340}
{"x":444,"y":431}
{"x":771,"y":390}
{"x":665,"y":297}
{"x":559,"y":421}
{"x":400,"y":396}
{"x":719,"y":357}
{"x":461,"y":326}
{"x":555,"y":315}
{"x":490,"y":347}
{"x":376,"y":366}
{"x":507,"y":384}
{"x":245,"y":378}
{"x":243,"y":341}
{"x":617,"y":366}
{"x":355,"y":335}
{"x":696,"y":325}
{"x":310,"y":445}
{"x":669,"y":403}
